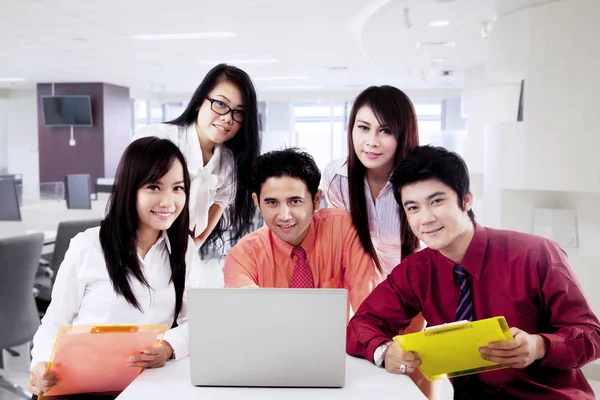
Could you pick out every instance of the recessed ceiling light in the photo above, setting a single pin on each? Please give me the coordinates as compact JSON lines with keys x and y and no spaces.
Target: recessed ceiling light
{"x":278,"y":78}
{"x":250,"y":61}
{"x":12,"y":79}
{"x":308,"y":87}
{"x":438,"y":24}
{"x":439,"y":60}
{"x":185,"y":36}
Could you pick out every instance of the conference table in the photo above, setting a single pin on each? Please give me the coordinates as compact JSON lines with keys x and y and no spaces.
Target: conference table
{"x":363,"y":381}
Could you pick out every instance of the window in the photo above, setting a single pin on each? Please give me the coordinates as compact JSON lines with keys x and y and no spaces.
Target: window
{"x":150,"y":112}
{"x":320,"y":129}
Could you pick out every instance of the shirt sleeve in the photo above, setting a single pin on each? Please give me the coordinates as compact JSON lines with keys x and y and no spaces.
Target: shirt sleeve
{"x":240,"y":269}
{"x":332,"y":188}
{"x":361,"y":274}
{"x":67,"y":293}
{"x":383,"y":315}
{"x":576,"y":337}
{"x":225,"y":195}
{"x":178,"y":337}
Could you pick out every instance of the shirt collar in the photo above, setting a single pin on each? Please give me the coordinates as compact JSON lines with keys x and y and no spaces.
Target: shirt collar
{"x":473,"y":258}
{"x":340,"y":167}
{"x":164,"y":237}
{"x":307,"y":244}
{"x":194,"y":143}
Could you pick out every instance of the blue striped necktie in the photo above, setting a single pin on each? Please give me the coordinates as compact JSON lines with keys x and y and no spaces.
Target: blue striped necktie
{"x":464,"y":310}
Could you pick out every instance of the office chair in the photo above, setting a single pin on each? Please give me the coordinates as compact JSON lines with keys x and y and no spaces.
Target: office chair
{"x":19,"y":318}
{"x":67,"y":230}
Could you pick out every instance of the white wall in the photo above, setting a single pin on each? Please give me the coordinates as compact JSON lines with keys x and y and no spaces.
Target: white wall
{"x":484,"y":105}
{"x":3,"y":136}
{"x":550,"y":159}
{"x":22,"y":140}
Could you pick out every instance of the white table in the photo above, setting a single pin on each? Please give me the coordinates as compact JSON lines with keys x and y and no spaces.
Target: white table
{"x":363,"y":381}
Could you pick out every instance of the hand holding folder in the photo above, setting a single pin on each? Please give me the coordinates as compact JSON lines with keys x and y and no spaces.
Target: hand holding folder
{"x":92,"y":359}
{"x":452,"y":350}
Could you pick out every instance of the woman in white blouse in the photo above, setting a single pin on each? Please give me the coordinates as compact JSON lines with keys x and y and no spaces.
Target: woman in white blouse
{"x":135,"y":267}
{"x":382,"y":128}
{"x":218,"y":134}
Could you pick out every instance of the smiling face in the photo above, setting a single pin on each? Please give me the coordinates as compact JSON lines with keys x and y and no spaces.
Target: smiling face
{"x":374,"y":144}
{"x":158,"y":204}
{"x":216,"y":128}
{"x":287,"y":207}
{"x":435,"y":217}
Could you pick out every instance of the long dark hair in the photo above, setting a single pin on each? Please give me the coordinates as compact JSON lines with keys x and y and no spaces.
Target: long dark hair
{"x":144,"y":161}
{"x":245,"y":147}
{"x":393,"y":109}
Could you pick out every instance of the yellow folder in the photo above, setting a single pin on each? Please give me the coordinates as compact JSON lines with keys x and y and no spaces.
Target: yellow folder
{"x":452,"y":350}
{"x":92,"y":358}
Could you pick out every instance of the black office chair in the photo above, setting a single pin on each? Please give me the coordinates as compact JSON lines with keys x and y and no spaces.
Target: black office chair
{"x":19,"y":318}
{"x":66,"y":231}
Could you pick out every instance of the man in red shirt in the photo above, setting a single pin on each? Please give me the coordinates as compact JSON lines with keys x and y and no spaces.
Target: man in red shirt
{"x":471,"y":272}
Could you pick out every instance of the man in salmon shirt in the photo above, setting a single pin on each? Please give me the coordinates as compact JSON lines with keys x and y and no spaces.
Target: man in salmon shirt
{"x":300,"y":246}
{"x":469,"y":272}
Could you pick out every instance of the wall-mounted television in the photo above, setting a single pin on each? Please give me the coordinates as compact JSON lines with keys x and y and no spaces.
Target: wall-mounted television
{"x":67,"y":110}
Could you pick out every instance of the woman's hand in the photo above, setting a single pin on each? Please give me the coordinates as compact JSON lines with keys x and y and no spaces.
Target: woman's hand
{"x":154,"y":357}
{"x":41,"y":380}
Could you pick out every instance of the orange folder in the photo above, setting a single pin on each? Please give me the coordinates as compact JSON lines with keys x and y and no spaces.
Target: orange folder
{"x":92,"y":358}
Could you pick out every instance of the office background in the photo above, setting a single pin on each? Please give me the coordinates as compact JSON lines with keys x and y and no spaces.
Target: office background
{"x":510,"y":84}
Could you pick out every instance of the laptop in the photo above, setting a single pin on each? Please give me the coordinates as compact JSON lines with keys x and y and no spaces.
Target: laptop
{"x":267,"y":337}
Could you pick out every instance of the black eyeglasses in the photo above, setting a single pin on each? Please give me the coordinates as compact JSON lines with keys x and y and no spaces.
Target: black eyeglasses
{"x":223,"y":109}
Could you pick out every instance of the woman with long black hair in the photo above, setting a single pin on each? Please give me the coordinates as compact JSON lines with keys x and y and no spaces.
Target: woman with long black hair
{"x":218,"y":134}
{"x":135,"y":267}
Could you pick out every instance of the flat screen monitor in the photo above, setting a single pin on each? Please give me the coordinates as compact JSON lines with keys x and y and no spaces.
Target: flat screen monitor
{"x":9,"y":211}
{"x":67,"y":110}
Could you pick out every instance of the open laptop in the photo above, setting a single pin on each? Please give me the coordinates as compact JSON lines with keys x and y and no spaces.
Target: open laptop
{"x":268,"y":337}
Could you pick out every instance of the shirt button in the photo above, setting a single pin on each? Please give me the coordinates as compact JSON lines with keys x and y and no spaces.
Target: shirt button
{"x":575,"y":365}
{"x":477,"y":276}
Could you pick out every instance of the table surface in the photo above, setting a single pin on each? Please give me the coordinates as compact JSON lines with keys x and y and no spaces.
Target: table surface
{"x":363,"y":381}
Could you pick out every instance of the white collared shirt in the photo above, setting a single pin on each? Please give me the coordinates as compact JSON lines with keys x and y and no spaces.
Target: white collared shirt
{"x":213,"y":183}
{"x":83,"y":293}
{"x":384,"y":213}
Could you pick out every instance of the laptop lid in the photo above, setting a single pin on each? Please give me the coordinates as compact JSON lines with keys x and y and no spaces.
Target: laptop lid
{"x":268,"y":337}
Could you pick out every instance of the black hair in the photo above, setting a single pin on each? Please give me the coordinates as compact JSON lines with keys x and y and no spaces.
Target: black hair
{"x":392,"y":108}
{"x":429,"y":162}
{"x":291,"y":162}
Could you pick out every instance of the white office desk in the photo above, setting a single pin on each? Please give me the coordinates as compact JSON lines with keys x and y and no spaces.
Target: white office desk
{"x":363,"y":381}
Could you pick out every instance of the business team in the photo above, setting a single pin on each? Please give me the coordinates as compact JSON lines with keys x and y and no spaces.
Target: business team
{"x":176,"y":180}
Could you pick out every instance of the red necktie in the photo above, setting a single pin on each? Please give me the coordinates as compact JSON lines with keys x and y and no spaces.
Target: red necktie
{"x":302,"y":276}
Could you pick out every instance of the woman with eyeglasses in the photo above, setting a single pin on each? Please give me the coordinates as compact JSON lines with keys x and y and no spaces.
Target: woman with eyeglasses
{"x":218,"y":134}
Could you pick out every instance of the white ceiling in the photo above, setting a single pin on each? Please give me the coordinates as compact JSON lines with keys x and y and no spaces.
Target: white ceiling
{"x":89,"y":40}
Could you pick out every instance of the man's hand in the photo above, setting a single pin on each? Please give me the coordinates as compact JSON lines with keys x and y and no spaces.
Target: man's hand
{"x":41,"y":380}
{"x":395,"y":357}
{"x":520,"y":352}
{"x":154,"y":357}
